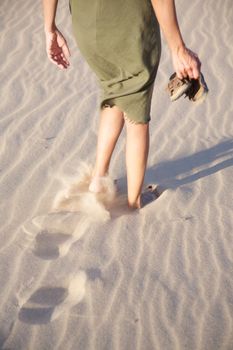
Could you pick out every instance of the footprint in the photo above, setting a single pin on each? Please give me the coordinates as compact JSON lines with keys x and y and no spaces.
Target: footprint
{"x":50,"y":245}
{"x":51,"y":236}
{"x":47,"y":303}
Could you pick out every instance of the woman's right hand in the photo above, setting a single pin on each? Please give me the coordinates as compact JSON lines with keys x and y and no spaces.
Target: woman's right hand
{"x":57,"y":49}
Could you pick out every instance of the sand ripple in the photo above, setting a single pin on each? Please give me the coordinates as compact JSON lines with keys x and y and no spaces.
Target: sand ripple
{"x":79,"y":271}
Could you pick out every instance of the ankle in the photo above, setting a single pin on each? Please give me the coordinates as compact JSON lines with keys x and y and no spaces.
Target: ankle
{"x":96,"y":185}
{"x":99,"y":173}
{"x":136,"y":204}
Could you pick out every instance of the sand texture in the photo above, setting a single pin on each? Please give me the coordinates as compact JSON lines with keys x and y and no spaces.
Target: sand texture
{"x":79,"y":271}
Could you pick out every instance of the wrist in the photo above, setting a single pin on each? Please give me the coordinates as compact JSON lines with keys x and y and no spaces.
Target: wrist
{"x":50,"y":29}
{"x":175,"y":48}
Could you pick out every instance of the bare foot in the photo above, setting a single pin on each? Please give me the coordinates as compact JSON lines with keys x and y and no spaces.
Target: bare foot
{"x":97,"y":184}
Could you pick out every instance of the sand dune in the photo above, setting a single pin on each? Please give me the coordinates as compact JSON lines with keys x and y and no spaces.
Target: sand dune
{"x":78,"y":270}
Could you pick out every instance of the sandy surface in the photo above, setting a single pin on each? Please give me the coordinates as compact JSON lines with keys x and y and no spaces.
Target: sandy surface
{"x":78,"y":271}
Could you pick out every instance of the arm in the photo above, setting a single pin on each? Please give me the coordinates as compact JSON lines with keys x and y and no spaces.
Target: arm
{"x":56,"y":45}
{"x":166,"y":15}
{"x":49,"y":9}
{"x":186,"y":62}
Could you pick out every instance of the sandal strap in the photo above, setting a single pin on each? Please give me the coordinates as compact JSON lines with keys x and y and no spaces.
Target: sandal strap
{"x":175,"y":82}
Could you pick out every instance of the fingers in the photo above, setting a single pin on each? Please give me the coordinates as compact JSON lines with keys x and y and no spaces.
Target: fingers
{"x":58,"y":59}
{"x":56,"y":63}
{"x":195,"y":72}
{"x":181,"y":73}
{"x":196,"y":68}
{"x":194,"y":65}
{"x":66,"y":53}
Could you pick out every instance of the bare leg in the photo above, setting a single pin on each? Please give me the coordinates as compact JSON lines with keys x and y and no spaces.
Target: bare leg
{"x":110,"y":126}
{"x":137,"y":149}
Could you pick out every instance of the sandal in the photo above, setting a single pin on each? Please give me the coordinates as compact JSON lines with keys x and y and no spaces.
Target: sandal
{"x":198,"y":90}
{"x":177,"y":87}
{"x":195,"y":89}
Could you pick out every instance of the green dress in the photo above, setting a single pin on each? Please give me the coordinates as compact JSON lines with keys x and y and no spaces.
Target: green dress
{"x":120,"y":40}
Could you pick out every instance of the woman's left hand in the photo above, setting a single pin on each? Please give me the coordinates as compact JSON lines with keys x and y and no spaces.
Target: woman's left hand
{"x":186,"y":63}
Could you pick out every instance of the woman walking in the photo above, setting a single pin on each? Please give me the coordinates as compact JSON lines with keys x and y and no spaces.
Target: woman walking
{"x":120,"y":41}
